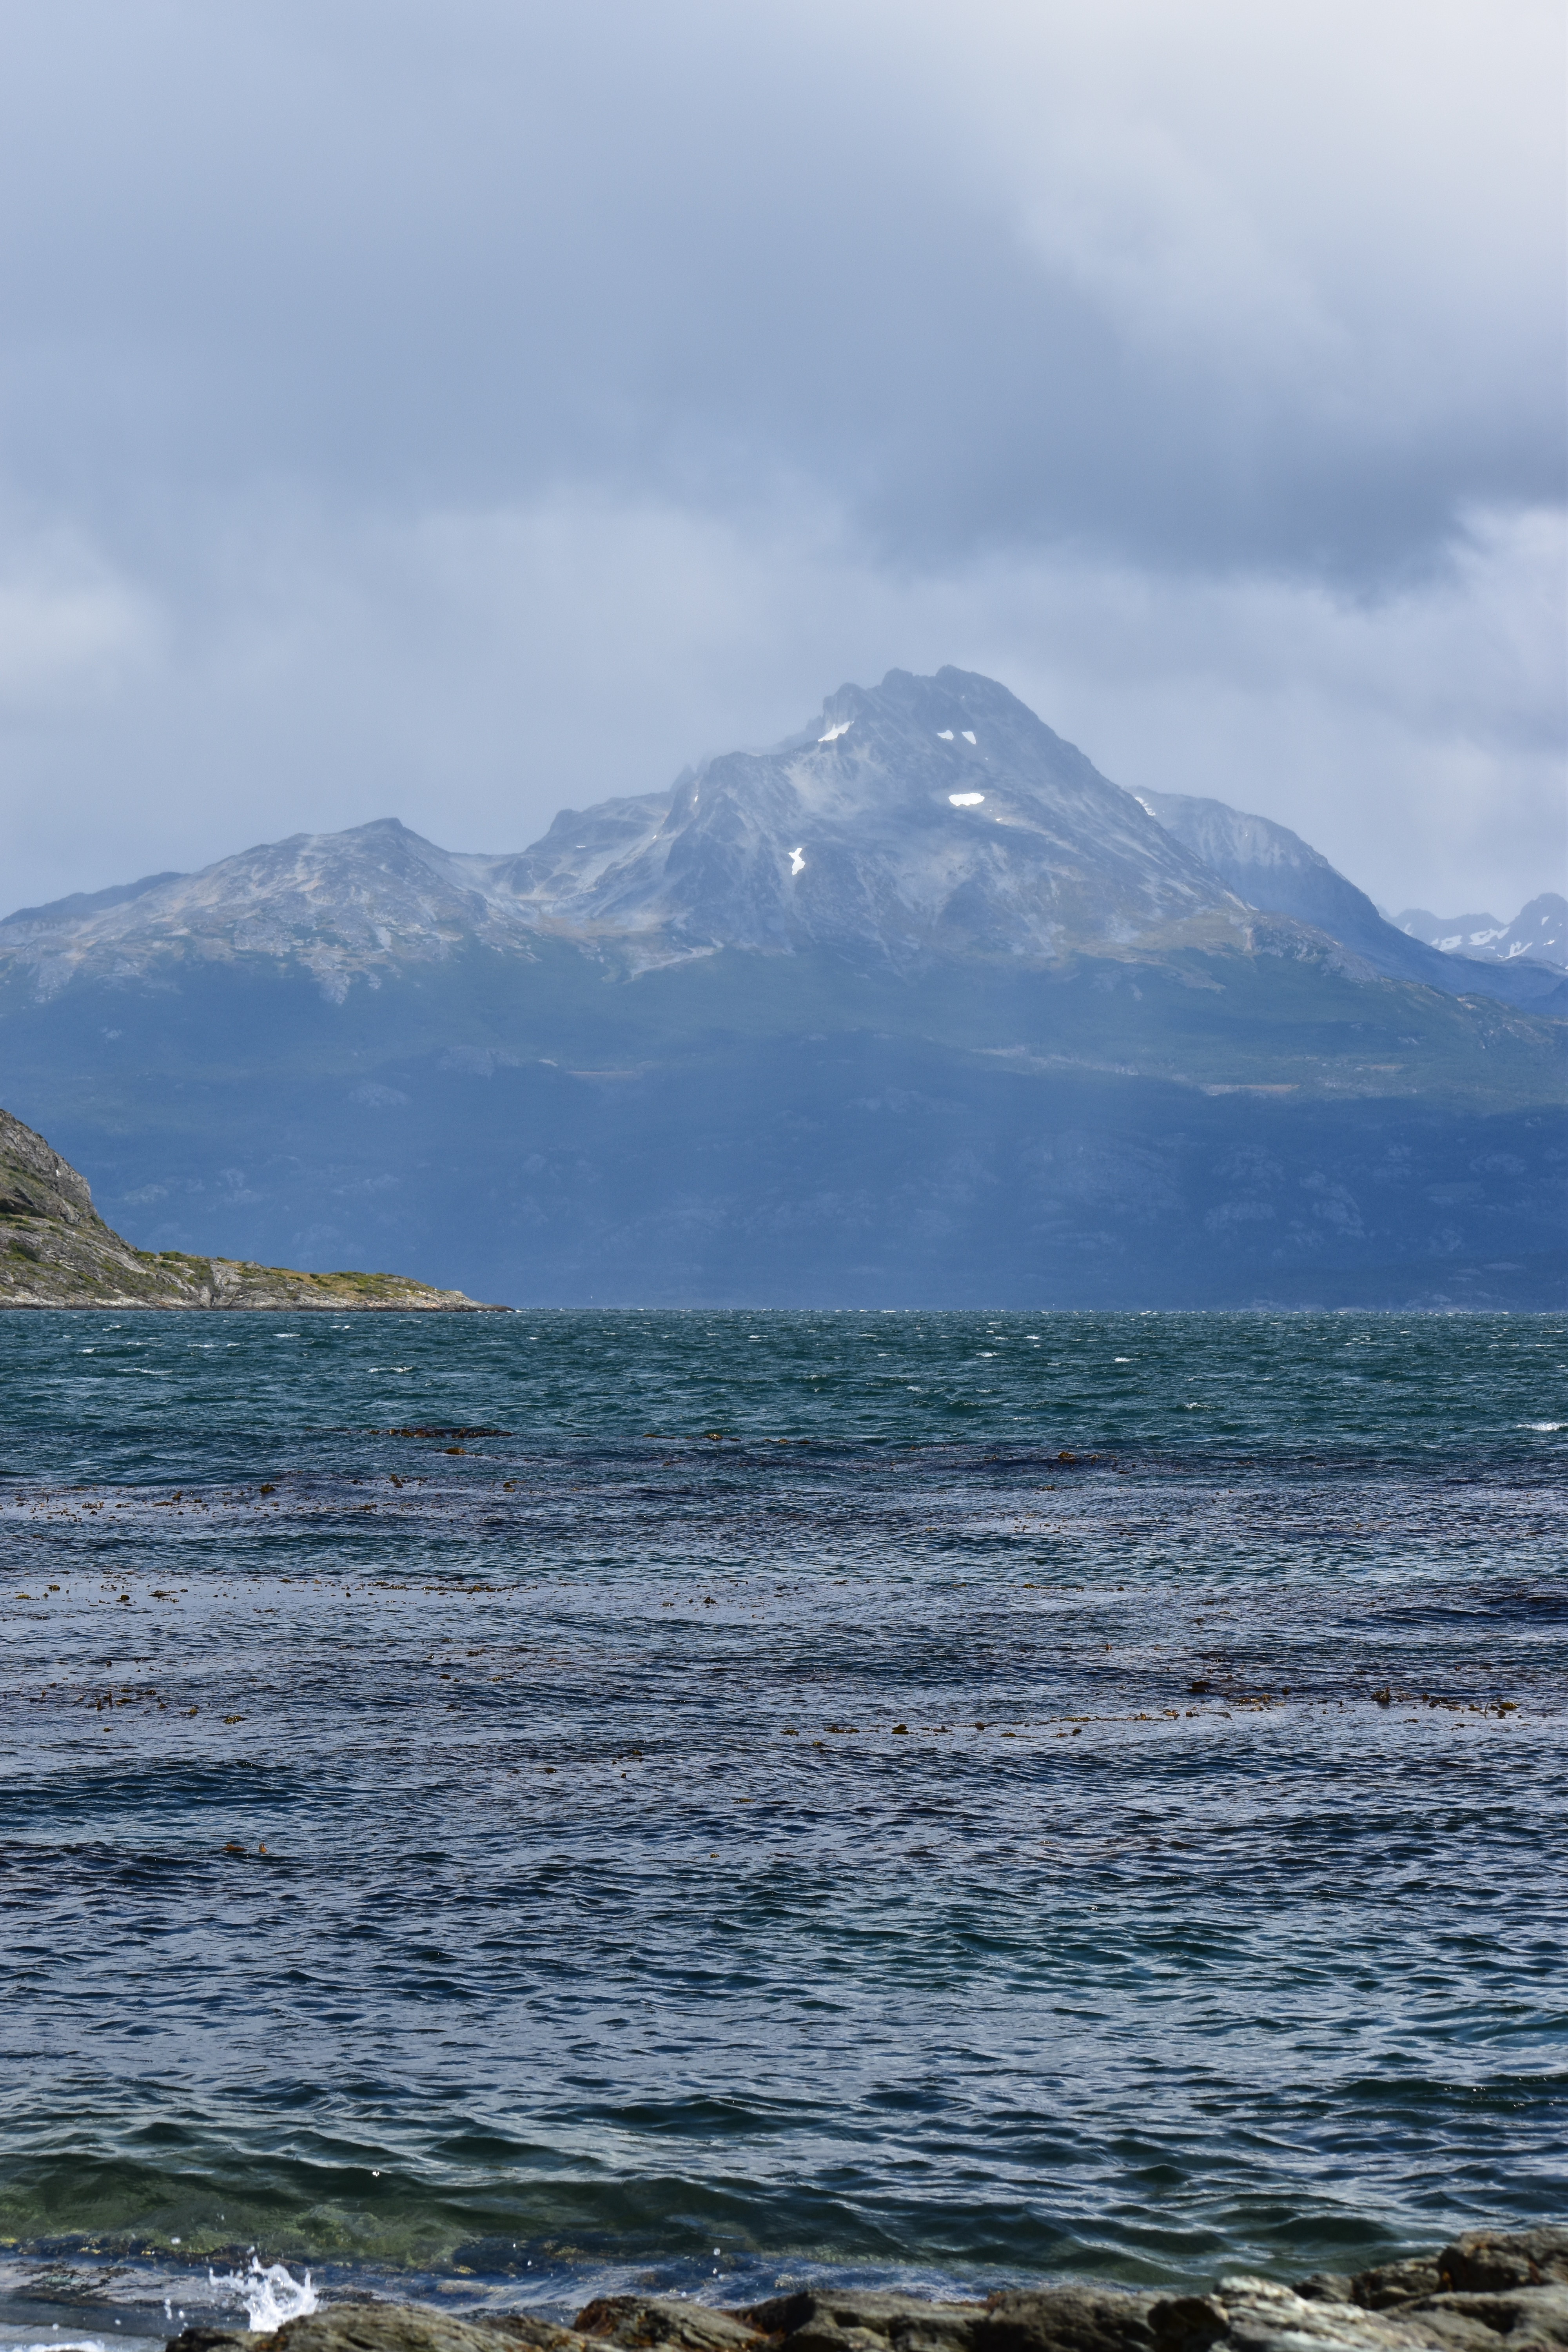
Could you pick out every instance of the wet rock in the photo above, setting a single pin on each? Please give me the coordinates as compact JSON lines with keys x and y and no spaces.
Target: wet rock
{"x":527,"y":2327}
{"x":1066,"y":2319}
{"x":1481,"y":2261}
{"x":639,"y":2320}
{"x":1394,"y":2282}
{"x":1529,"y":2316}
{"x":1186,"y":2322}
{"x":825,"y":2319}
{"x":1492,"y":2261}
{"x":1256,"y":2314}
{"x":381,"y":2327}
{"x":825,"y":2335}
{"x":1486,"y":2290}
{"x":1327,"y":2286}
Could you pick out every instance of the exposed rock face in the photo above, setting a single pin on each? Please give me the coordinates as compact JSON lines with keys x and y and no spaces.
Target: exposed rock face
{"x":925,"y":816}
{"x":1274,"y":870}
{"x":585,"y":851}
{"x":57,"y":1251}
{"x":340,"y":906}
{"x":36,"y":1182}
{"x":1487,"y":2288}
{"x":1270,"y":867}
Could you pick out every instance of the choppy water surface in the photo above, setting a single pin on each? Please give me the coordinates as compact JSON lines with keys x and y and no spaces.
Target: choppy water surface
{"x":500,"y":1806}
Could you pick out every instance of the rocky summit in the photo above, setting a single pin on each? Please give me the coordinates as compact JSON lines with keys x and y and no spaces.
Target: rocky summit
{"x":57,"y":1251}
{"x":1484,"y":2289}
{"x":925,"y":815}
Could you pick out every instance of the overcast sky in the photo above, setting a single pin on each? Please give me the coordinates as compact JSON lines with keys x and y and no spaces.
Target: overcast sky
{"x":459,"y":409}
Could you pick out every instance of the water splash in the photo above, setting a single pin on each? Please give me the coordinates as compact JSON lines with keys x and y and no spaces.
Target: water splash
{"x":271,"y":2295}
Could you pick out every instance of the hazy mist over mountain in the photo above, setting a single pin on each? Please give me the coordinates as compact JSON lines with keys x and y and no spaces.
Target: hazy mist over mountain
{"x":464,"y":413}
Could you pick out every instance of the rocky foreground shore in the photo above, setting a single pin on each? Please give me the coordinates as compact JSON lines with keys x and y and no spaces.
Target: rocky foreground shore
{"x":1486,"y":2286}
{"x":57,"y":1251}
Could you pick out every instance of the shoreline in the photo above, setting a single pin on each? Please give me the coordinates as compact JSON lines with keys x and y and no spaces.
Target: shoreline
{"x":1484,"y":2286}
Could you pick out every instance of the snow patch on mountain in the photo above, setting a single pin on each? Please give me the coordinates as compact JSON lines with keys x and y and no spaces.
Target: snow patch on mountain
{"x":1539,"y":930}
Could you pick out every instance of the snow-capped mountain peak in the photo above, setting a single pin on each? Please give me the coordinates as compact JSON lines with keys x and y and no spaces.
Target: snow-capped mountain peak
{"x":925,"y":815}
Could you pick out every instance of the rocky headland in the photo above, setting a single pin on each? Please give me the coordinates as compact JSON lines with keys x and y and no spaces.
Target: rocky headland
{"x":57,"y":1251}
{"x":1486,"y":2287}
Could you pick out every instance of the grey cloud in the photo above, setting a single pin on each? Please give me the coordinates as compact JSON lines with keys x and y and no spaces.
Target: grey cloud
{"x":475,"y":673}
{"x":463,"y":255}
{"x":457,"y":411}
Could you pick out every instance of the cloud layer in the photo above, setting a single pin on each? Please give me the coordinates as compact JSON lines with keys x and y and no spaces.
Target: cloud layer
{"x":459,"y":412}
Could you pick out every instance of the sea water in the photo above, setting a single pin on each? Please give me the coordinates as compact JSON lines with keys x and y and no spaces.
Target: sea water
{"x":501,"y":1808}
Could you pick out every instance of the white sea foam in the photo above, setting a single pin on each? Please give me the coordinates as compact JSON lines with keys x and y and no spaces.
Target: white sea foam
{"x":271,"y":2295}
{"x":54,"y":2343}
{"x":1544,"y":1424}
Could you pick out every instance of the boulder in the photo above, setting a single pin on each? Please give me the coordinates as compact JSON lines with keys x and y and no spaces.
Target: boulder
{"x":1256,"y":2314}
{"x":833,"y":2319}
{"x":1391,"y":2283}
{"x":1066,"y":2319}
{"x":1492,"y":2261}
{"x":1525,"y":2316}
{"x":642,"y":2320}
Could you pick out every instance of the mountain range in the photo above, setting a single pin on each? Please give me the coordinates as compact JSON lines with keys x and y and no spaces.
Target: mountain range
{"x":1539,"y":930}
{"x":1270,"y":867}
{"x":917,"y":1007}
